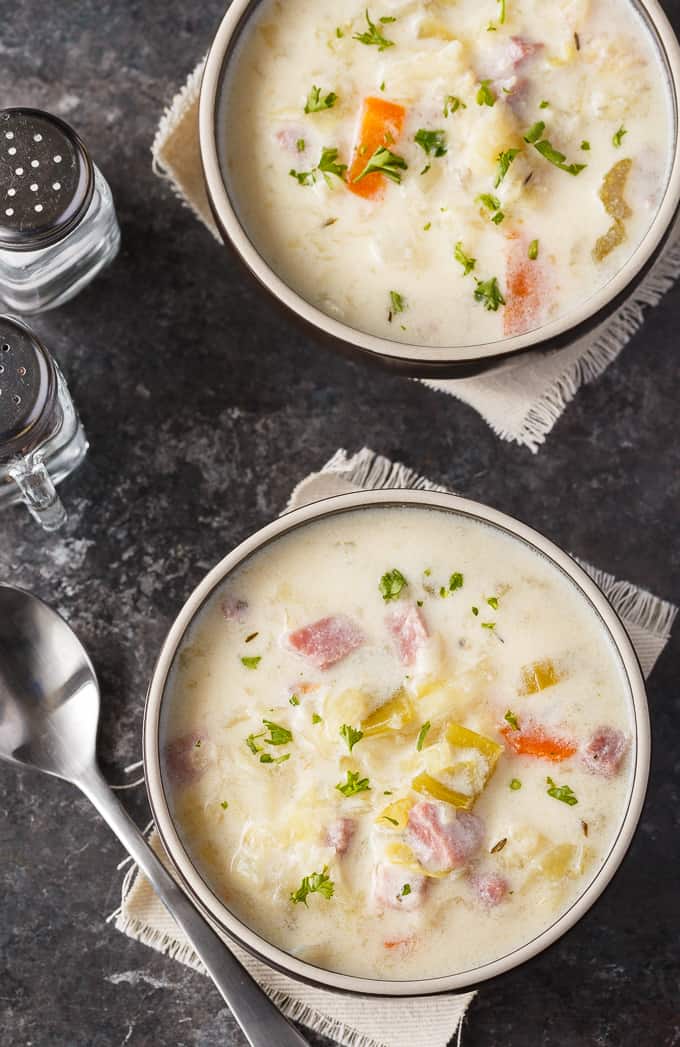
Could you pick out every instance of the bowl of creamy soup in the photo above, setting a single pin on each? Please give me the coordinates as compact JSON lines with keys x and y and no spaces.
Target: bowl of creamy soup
{"x":440,"y":184}
{"x":396,"y":743}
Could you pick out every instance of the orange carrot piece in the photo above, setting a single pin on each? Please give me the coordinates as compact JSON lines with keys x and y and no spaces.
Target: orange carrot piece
{"x":381,"y":125}
{"x":525,"y":288}
{"x":535,"y":742}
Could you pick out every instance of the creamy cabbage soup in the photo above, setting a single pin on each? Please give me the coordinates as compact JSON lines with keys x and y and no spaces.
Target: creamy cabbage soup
{"x":398,"y":743}
{"x":447,"y":172}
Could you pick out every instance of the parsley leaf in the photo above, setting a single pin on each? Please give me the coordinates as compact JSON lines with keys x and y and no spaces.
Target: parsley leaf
{"x":492,"y":203}
{"x":544,"y":105}
{"x":316,"y":104}
{"x":392,"y":582}
{"x":328,"y":163}
{"x":489,"y":293}
{"x":512,"y":720}
{"x":316,"y":883}
{"x":404,"y":892}
{"x":468,"y":263}
{"x":351,"y":735}
{"x":303,"y":177}
{"x":294,"y":700}
{"x":485,"y":95}
{"x":251,"y":662}
{"x":561,"y":792}
{"x":488,"y":625}
{"x":504,"y":161}
{"x":493,"y":602}
{"x":585,"y":145}
{"x":534,"y":136}
{"x":422,"y":734}
{"x":316,"y":718}
{"x":277,"y":735}
{"x":300,"y":145}
{"x":475,"y":611}
{"x":251,"y":743}
{"x":515,"y":784}
{"x":452,"y":104}
{"x":372,"y":37}
{"x":617,"y":140}
{"x":398,"y":306}
{"x":384,"y":162}
{"x":455,"y":581}
{"x":266,"y":758}
{"x":535,"y":133}
{"x":353,"y":785}
{"x":224,"y":805}
{"x":533,"y":250}
{"x":432,"y":142}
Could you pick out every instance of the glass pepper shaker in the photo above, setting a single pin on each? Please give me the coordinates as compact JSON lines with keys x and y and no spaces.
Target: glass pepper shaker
{"x":41,"y":438}
{"x":58,"y":224}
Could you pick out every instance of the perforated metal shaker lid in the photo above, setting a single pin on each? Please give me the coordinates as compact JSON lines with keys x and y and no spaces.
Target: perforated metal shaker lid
{"x":46,"y":179}
{"x":28,"y":390}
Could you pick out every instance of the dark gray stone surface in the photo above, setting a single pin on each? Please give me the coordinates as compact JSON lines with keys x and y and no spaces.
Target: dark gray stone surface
{"x":204,"y":407}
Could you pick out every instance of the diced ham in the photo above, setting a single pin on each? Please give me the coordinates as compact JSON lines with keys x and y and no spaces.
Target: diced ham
{"x":605,"y":751}
{"x":408,"y":630}
{"x":490,"y":888}
{"x":327,"y":641}
{"x":234,"y":609}
{"x":442,"y":838}
{"x":388,"y":888}
{"x":339,"y":835}
{"x":187,"y":758}
{"x":507,"y":57}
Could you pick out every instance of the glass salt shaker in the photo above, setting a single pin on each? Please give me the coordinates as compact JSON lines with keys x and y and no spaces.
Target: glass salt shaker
{"x":58,"y":224}
{"x":41,"y":438}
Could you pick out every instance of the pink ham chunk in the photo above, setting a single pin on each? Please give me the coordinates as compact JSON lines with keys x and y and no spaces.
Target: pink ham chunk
{"x":442,"y":838}
{"x":234,"y":609}
{"x":408,"y":630}
{"x":491,"y":889}
{"x":327,"y":641}
{"x":507,"y":58}
{"x":388,"y":888}
{"x":339,"y":835}
{"x":187,"y":758}
{"x":605,"y":751}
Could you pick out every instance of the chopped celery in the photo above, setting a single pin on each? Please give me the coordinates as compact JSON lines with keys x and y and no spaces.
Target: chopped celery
{"x":539,"y":675}
{"x":392,"y":715}
{"x":429,"y":786}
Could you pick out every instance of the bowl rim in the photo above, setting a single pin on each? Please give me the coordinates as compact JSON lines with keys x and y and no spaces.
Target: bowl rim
{"x":414,"y":358}
{"x":198,"y":888}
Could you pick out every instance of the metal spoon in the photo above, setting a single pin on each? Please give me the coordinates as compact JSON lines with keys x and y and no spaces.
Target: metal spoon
{"x":49,"y":712}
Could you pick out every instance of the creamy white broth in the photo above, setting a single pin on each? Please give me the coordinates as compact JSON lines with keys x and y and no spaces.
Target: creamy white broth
{"x":256,"y":830}
{"x":346,"y":254}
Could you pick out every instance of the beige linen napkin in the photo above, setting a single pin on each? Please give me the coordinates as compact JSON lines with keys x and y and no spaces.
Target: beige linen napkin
{"x":429,"y":1022}
{"x":523,"y":399}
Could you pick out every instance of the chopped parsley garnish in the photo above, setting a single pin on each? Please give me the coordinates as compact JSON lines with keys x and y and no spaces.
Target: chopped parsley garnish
{"x":353,"y":785}
{"x":373,"y":37}
{"x":544,"y":105}
{"x":224,"y":805}
{"x":617,"y":140}
{"x":504,"y":161}
{"x":455,"y":581}
{"x":492,"y":203}
{"x":327,"y":165}
{"x":499,"y":846}
{"x":339,"y":33}
{"x":488,"y":625}
{"x":277,"y":735}
{"x":422,"y":734}
{"x":515,"y":784}
{"x":392,"y":582}
{"x":585,"y":145}
{"x":452,"y":104}
{"x":197,"y":743}
{"x":427,"y":227}
{"x":561,"y":792}
{"x":493,"y":602}
{"x":427,"y":167}
{"x":382,"y":86}
{"x":316,"y":883}
{"x":432,"y":142}
{"x":351,"y":735}
{"x":387,"y":792}
{"x":419,"y":603}
{"x":397,"y":306}
{"x":533,"y":250}
{"x":300,"y":145}
{"x":489,"y":293}
{"x":303,"y":177}
{"x":251,"y":743}
{"x":384,"y":162}
{"x":485,"y":95}
{"x":468,"y":263}
{"x":266,"y":758}
{"x":512,"y":720}
{"x":316,"y":104}
{"x":251,"y":662}
{"x":404,"y":892}
{"x":475,"y":611}
{"x":534,"y":136}
{"x":294,"y":700}
{"x":316,"y":718}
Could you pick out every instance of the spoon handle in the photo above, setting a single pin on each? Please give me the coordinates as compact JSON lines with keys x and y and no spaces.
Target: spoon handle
{"x":261,"y":1022}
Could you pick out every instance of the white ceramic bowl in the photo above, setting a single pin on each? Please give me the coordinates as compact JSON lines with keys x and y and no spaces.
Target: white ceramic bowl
{"x":226,"y":920}
{"x":419,"y":360}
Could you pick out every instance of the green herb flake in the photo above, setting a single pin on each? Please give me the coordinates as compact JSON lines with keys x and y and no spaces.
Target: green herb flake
{"x":303,"y":177}
{"x":488,"y":625}
{"x":419,"y":603}
{"x":427,"y":572}
{"x":475,"y":611}
{"x":224,"y":805}
{"x":316,"y":104}
{"x":372,"y":37}
{"x":351,"y":735}
{"x":294,"y":700}
{"x":316,"y":883}
{"x":353,"y":785}
{"x":404,"y":892}
{"x":328,"y":163}
{"x":585,"y":145}
{"x":512,"y":720}
{"x":422,"y":734}
{"x":384,"y":162}
{"x":468,"y":263}
{"x":535,"y":133}
{"x":387,"y":792}
{"x":267,"y":758}
{"x":197,"y":743}
{"x":316,"y":718}
{"x":534,"y":136}
{"x":452,"y":104}
{"x":493,"y":602}
{"x":251,"y":743}
{"x":515,"y":784}
{"x":544,"y":105}
{"x":382,"y":86}
{"x":277,"y":735}
{"x":485,"y":95}
{"x":433,"y":143}
{"x":455,"y":581}
{"x":339,"y":33}
{"x":504,"y":160}
{"x":498,"y":218}
{"x":386,"y":19}
{"x":561,"y":792}
{"x":533,"y":250}
{"x":492,"y":203}
{"x":251,"y":662}
{"x":489,"y":294}
{"x":392,"y":582}
{"x":617,"y":140}
{"x":427,"y":227}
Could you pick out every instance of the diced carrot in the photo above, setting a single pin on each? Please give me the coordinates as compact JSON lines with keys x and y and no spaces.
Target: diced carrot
{"x":403,"y":944}
{"x":535,"y":742}
{"x":525,"y":288}
{"x":381,"y":125}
